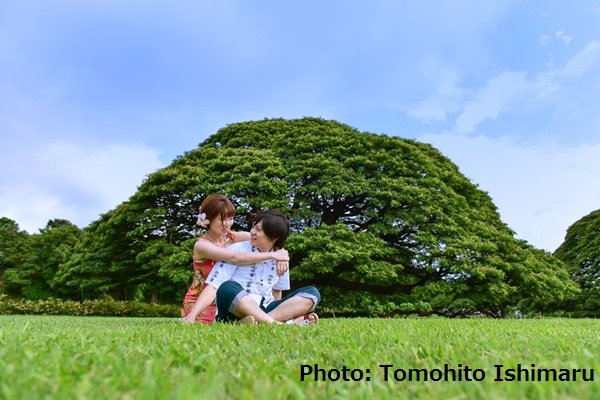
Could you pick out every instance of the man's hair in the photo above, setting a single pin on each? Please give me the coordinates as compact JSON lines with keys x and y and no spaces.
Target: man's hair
{"x":275,"y":225}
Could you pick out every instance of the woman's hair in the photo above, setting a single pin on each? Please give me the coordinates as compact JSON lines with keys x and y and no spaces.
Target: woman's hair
{"x":216,"y":205}
{"x":275,"y":225}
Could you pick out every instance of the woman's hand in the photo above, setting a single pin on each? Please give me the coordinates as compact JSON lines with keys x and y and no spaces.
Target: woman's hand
{"x":283,"y":261}
{"x":282,"y":267}
{"x":281,"y":255}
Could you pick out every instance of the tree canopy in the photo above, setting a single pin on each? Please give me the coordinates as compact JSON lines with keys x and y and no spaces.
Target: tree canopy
{"x":15,"y":246}
{"x":39,"y":257}
{"x":379,"y":223}
{"x":581,"y":253}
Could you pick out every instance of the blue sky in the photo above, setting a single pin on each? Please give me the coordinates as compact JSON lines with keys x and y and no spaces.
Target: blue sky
{"x":96,"y":95}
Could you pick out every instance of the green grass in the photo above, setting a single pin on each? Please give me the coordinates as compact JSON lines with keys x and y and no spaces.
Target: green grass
{"x":55,"y":357}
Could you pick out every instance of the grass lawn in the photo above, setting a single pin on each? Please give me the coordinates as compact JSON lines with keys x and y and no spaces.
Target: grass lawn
{"x":56,"y":357}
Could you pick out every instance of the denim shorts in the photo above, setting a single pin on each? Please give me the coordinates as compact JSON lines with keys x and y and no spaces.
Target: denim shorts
{"x":230,"y":293}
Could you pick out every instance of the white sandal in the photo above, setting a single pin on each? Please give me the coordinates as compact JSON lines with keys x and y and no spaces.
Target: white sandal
{"x":305,"y":320}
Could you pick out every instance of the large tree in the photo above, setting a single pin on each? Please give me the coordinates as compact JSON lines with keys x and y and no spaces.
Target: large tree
{"x":15,"y":250}
{"x":379,"y":223}
{"x":33,"y":277}
{"x":581,"y":252}
{"x":107,"y":261}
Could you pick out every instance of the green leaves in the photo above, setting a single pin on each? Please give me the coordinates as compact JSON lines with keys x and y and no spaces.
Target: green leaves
{"x":377,"y":221}
{"x":335,"y":249}
{"x":581,"y":252}
{"x":34,"y":260}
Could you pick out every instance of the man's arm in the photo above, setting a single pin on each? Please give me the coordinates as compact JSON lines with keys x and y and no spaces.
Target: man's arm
{"x":283,"y":283}
{"x":221,"y":272}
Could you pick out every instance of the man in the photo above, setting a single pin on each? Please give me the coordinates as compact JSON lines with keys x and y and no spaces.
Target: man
{"x":252,"y":293}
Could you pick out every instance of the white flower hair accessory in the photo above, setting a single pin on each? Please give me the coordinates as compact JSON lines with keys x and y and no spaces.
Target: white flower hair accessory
{"x":202,"y":221}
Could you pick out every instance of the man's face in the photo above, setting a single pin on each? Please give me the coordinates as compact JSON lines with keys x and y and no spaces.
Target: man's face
{"x":258,"y":238}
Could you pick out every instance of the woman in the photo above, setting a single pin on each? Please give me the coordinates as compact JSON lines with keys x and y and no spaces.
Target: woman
{"x":216,"y":215}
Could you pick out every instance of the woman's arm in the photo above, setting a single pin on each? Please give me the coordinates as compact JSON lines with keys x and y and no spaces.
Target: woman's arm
{"x":203,"y":249}
{"x":282,"y":265}
{"x":242,"y":236}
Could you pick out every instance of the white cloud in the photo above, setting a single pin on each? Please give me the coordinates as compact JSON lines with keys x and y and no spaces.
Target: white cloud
{"x":544,"y":40}
{"x":494,"y":99}
{"x":30,"y":207}
{"x":584,"y":61}
{"x":539,"y":190}
{"x":560,"y":33}
{"x":509,"y":92}
{"x":553,"y":83}
{"x":73,"y":182}
{"x":444,"y":101}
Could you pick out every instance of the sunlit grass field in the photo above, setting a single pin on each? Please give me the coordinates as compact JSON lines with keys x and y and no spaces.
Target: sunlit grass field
{"x":50,"y":357}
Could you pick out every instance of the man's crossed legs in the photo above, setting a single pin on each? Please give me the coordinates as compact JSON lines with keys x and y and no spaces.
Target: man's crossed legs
{"x":234,"y":303}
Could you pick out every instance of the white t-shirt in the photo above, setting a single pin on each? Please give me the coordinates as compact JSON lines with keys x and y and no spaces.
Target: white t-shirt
{"x":258,"y":279}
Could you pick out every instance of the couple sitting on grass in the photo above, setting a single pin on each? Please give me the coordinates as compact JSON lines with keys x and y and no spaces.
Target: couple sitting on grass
{"x":245,"y":272}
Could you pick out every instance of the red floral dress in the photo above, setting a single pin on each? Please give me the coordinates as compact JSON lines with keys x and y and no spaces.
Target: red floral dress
{"x":202,"y":269}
